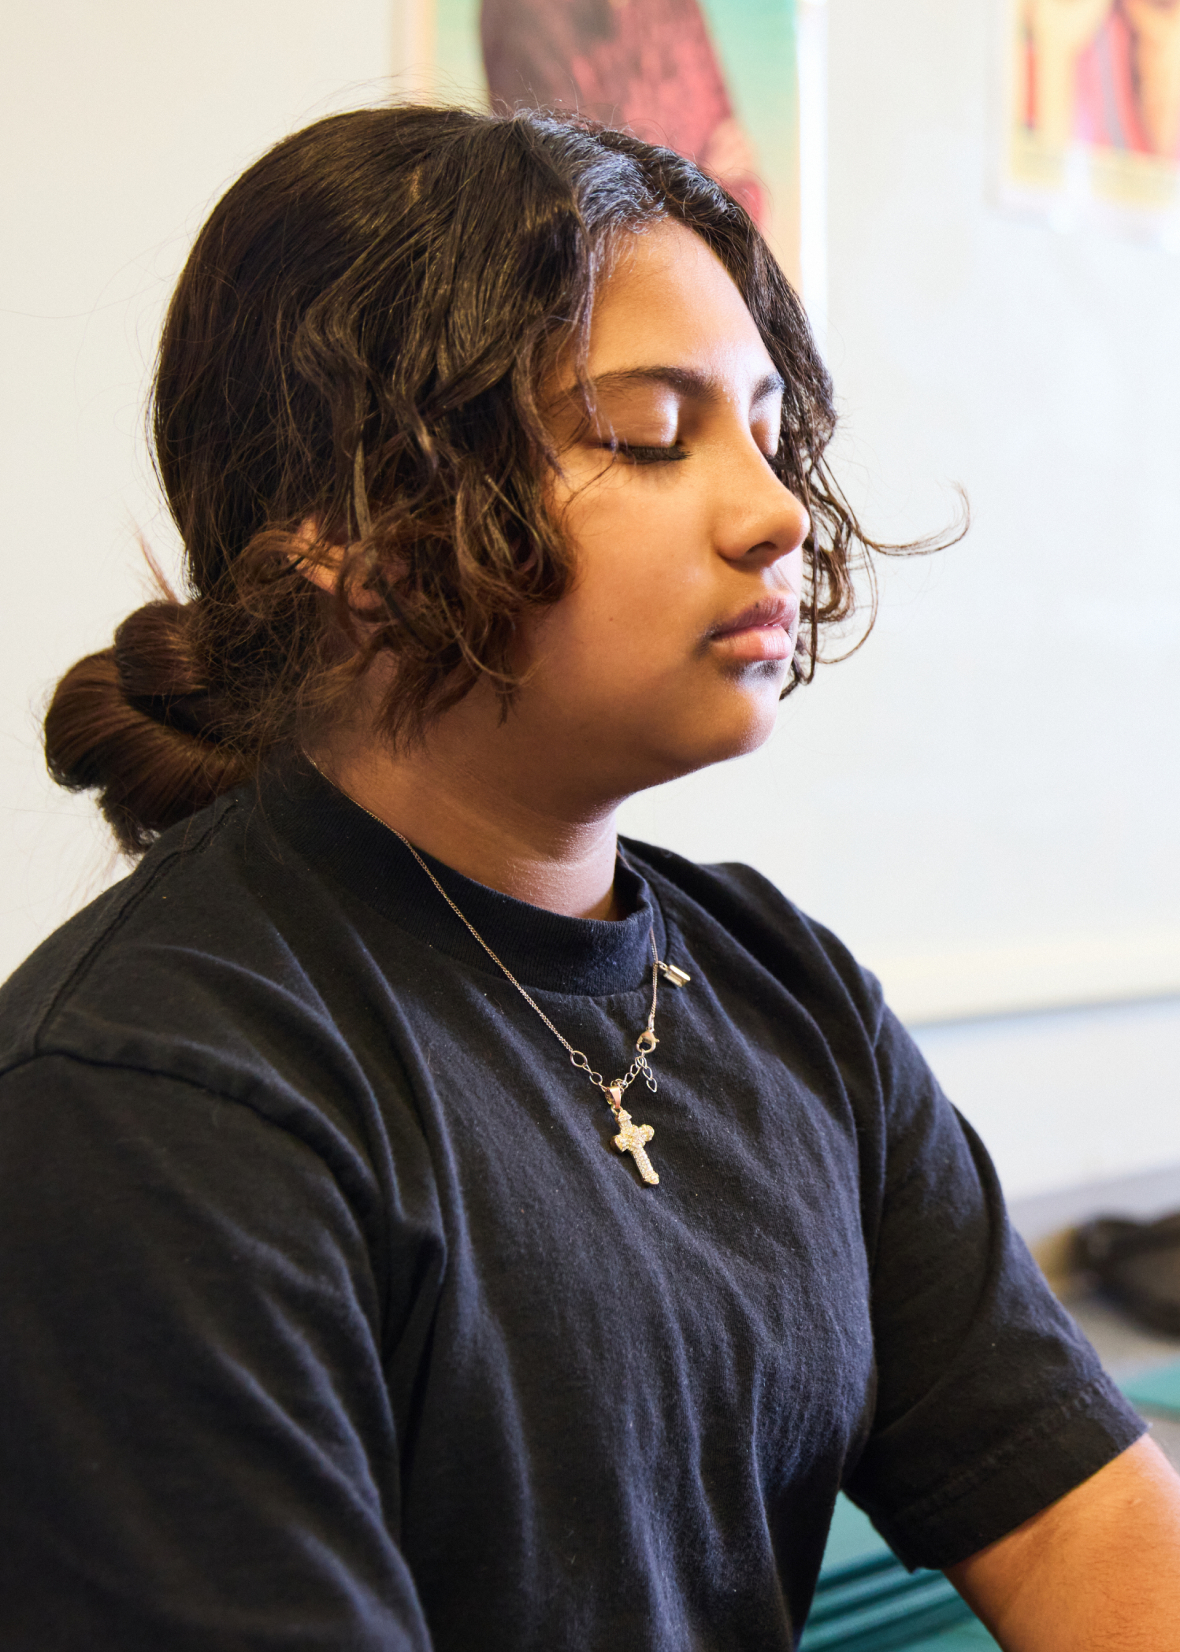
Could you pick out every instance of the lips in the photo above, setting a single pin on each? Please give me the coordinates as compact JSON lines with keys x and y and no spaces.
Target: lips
{"x":765,"y":614}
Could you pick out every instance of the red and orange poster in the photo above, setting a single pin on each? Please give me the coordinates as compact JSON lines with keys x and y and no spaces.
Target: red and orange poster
{"x":714,"y":79}
{"x":1093,"y":107}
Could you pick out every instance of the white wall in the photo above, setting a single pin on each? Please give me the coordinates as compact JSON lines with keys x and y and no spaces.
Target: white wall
{"x":983,"y":802}
{"x":121,"y":124}
{"x":1071,"y":1097}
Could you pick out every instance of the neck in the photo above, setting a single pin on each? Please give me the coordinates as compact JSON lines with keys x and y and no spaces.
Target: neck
{"x":476,"y":795}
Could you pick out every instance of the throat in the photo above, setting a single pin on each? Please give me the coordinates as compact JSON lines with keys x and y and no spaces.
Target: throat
{"x":507,"y":844}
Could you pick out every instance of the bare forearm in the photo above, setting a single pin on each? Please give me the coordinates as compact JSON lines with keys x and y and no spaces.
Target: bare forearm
{"x":1099,"y":1571}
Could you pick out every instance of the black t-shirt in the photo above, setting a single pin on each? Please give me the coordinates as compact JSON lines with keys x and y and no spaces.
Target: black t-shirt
{"x":332,"y":1319}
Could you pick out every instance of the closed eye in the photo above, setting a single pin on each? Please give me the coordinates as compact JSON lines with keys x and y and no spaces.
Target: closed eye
{"x":648,"y":455}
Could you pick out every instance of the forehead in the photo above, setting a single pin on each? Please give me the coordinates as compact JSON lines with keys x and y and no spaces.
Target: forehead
{"x":669,"y":299}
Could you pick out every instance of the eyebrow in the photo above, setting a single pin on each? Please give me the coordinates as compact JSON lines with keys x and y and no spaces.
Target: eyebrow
{"x":686,"y":381}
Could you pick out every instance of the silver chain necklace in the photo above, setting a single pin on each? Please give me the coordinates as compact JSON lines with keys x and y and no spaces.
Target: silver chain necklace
{"x":632,"y":1138}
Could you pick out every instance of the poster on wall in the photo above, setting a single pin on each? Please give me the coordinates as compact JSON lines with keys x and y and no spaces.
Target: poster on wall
{"x":715,"y":79}
{"x":1091,"y":123}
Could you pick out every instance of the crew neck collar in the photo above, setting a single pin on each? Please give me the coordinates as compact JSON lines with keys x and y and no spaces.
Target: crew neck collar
{"x":545,"y":950}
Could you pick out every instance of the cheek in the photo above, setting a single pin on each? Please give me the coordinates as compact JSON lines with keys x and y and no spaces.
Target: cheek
{"x":636,"y":561}
{"x":619,"y":638}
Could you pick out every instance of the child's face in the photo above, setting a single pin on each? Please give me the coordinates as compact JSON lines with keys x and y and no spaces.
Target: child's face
{"x":675,"y":641}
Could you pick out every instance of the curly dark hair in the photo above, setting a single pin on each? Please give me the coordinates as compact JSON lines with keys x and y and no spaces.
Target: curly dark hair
{"x":359,"y":340}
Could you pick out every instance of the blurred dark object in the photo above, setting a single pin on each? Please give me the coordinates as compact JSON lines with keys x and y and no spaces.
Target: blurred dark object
{"x":1137,"y":1265}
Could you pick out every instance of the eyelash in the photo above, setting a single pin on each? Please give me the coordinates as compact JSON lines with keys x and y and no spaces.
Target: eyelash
{"x":663,"y":455}
{"x":648,"y":455}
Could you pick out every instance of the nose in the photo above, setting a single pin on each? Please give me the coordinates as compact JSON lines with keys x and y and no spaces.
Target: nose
{"x":761,"y":520}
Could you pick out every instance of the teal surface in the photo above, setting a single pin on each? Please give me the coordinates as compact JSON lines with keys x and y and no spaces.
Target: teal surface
{"x":966,"y":1637}
{"x":1156,"y":1390}
{"x":866,"y":1601}
{"x":851,"y":1536}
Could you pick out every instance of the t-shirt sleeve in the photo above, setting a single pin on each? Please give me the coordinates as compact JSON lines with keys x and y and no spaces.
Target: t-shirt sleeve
{"x":991,"y":1404}
{"x":196,"y":1442}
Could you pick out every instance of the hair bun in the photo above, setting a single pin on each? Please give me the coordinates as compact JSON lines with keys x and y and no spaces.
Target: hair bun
{"x":159,"y":672}
{"x":137,"y":724}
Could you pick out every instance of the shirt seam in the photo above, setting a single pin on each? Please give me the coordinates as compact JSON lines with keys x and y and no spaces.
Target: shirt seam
{"x":231,"y":1100}
{"x":919,"y":1515}
{"x":483,"y":968}
{"x":150,"y":1071}
{"x":131,"y":904}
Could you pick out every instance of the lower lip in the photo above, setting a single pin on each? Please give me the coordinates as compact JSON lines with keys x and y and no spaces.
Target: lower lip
{"x":758,"y":642}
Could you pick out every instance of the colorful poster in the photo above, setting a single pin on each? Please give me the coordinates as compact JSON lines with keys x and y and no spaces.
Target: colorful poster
{"x":715,"y":79}
{"x":1092,"y":110}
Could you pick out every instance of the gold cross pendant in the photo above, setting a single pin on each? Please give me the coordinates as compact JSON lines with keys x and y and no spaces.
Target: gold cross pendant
{"x":632,"y":1137}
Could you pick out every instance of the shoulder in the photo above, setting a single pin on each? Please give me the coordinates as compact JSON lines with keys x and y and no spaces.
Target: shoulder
{"x":794,"y":970}
{"x":183,"y":968}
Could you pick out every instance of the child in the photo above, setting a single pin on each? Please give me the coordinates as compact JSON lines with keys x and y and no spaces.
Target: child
{"x":426,"y":1222}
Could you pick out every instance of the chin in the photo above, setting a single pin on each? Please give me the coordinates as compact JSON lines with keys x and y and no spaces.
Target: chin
{"x":701,"y":747}
{"x":754,"y":735}
{"x":748,"y":724}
